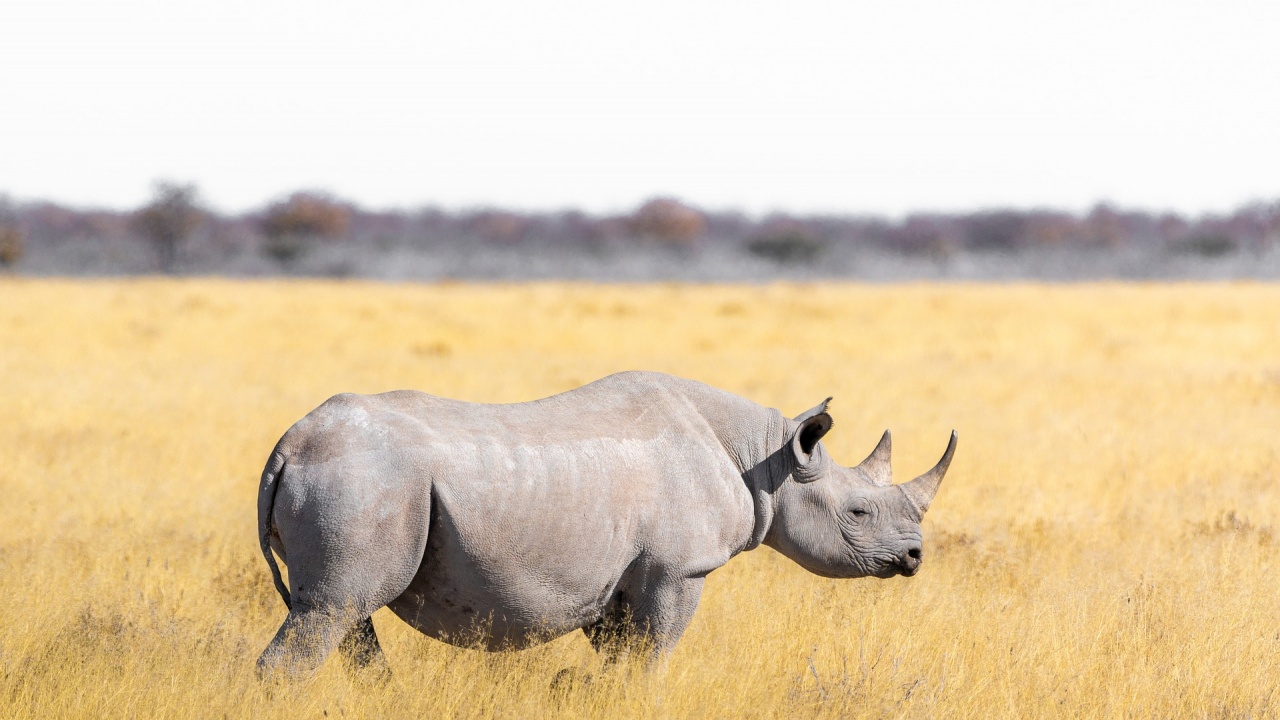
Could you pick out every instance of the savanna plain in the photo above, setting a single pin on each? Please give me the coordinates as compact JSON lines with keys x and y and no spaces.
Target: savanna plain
{"x":1103,"y":546}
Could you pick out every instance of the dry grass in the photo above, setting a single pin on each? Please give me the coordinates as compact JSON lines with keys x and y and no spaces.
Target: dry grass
{"x":1103,"y":546}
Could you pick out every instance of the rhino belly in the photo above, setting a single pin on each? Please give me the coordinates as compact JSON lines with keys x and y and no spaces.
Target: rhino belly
{"x":468,"y":597}
{"x":463,"y":606}
{"x":526,"y":543}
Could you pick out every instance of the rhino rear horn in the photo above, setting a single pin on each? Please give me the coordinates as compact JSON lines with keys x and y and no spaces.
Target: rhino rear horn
{"x":876,"y":466}
{"x":921,"y":490}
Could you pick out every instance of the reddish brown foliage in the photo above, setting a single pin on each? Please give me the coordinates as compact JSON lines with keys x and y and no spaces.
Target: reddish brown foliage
{"x":498,"y":226}
{"x":668,"y":220}
{"x":306,"y":214}
{"x":11,"y":246}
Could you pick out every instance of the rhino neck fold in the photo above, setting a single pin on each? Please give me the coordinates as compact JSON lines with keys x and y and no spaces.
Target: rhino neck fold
{"x":763,"y":471}
{"x":752,"y":437}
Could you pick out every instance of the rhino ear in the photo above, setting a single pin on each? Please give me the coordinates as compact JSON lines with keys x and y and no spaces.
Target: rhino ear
{"x":818,"y":409}
{"x":807,"y":436}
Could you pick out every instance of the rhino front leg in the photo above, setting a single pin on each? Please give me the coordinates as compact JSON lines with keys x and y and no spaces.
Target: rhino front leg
{"x":652,"y":622}
{"x":665,"y":614}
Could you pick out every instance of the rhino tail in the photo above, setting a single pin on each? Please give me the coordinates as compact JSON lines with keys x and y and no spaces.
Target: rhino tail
{"x":266,"y":506}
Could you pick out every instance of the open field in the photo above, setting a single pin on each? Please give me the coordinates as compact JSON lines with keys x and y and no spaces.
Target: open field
{"x":1103,"y":546}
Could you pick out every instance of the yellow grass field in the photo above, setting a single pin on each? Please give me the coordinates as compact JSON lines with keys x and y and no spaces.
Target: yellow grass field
{"x":1103,"y":546}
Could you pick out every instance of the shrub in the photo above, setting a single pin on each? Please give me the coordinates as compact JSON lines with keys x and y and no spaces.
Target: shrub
{"x":993,"y":230}
{"x":1050,"y":229}
{"x":498,"y":226}
{"x":11,"y":245}
{"x":1209,"y":244}
{"x":925,"y":235}
{"x":668,"y":220}
{"x":294,"y":224}
{"x":786,"y":241}
{"x":791,"y":247}
{"x":1104,"y":226}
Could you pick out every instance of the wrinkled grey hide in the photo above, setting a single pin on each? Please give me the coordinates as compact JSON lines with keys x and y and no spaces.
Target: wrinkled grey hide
{"x":601,"y":509}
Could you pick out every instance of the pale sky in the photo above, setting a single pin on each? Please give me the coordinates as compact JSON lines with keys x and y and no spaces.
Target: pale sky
{"x":846,"y":107}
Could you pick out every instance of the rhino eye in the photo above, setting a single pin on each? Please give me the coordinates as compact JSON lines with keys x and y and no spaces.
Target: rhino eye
{"x":860,"y":510}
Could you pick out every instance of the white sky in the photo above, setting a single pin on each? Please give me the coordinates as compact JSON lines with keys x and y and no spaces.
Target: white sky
{"x":801,"y":105}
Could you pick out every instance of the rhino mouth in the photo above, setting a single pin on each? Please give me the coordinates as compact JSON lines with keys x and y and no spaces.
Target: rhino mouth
{"x":898,"y":568}
{"x":895,"y":570}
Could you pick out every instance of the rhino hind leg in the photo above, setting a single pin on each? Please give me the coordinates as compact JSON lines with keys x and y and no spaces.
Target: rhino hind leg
{"x":342,"y":568}
{"x":304,"y":640}
{"x":361,"y":652}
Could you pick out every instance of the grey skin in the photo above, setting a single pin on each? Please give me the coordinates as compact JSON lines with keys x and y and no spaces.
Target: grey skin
{"x":601,"y":509}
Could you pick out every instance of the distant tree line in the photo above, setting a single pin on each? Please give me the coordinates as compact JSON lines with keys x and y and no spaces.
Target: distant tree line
{"x":180,"y":232}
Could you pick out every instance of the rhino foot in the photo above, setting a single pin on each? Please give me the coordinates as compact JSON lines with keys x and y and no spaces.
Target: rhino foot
{"x":569,"y":680}
{"x":362,"y":655}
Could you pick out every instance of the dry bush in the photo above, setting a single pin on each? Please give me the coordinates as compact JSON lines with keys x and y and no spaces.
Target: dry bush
{"x":294,"y":224}
{"x":787,"y":241}
{"x":927,"y":235}
{"x":1208,"y":244}
{"x":668,"y":220}
{"x":11,"y":245}
{"x":1050,"y":229}
{"x":497,"y":226}
{"x":1104,"y":226}
{"x":994,"y":230}
{"x":11,"y":239}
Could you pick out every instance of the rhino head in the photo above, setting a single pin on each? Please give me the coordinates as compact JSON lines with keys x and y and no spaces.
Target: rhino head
{"x":848,"y":522}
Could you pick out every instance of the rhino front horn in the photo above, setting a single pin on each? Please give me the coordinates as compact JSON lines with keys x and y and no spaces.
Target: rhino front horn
{"x":921,"y":490}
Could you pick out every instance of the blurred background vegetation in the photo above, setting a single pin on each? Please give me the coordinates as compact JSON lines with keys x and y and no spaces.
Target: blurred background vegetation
{"x":313,"y":233}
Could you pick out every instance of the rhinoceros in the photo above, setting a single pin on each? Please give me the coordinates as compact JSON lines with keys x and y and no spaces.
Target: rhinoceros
{"x":602,"y":509}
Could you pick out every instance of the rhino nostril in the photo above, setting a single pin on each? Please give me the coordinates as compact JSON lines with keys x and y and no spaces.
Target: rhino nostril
{"x":914,"y":553}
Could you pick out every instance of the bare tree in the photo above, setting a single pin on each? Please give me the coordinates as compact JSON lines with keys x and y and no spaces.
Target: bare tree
{"x":168,"y":219}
